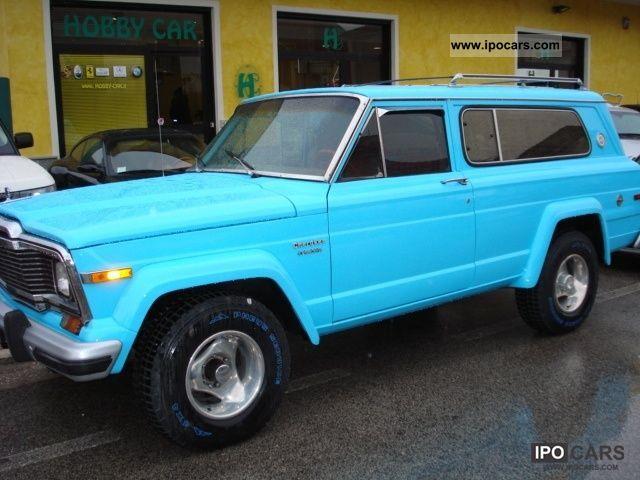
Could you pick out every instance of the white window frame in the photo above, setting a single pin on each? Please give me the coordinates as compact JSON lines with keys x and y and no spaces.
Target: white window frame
{"x":393,"y":19}
{"x":587,"y":47}
{"x":218,"y":102}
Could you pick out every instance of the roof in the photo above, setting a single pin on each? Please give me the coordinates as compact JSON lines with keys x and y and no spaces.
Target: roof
{"x":467,"y":92}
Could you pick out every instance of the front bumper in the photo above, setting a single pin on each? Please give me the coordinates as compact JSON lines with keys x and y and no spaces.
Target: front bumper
{"x":79,"y":361}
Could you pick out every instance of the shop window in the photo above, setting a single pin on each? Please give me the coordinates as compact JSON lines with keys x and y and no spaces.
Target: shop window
{"x":570,"y":64}
{"x":318,"y":51}
{"x":121,"y":67}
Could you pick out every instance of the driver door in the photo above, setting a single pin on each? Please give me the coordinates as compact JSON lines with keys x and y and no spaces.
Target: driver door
{"x":401,"y":219}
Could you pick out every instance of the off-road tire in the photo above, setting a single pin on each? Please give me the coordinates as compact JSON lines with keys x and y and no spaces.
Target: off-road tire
{"x":165,"y":346}
{"x":537,"y":306}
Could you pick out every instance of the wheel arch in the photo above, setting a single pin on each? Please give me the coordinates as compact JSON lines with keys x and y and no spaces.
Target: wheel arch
{"x":254,"y":273}
{"x":584,"y":215}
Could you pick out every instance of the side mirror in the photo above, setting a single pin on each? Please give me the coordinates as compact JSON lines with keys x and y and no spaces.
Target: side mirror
{"x":23,"y":140}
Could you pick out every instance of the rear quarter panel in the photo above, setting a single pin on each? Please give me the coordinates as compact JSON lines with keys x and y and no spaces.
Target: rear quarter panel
{"x":513,"y":201}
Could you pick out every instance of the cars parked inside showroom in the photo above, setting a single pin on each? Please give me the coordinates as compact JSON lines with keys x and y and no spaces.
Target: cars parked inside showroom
{"x":317,"y":211}
{"x":19,"y":176}
{"x":627,"y":122}
{"x":127,"y":154}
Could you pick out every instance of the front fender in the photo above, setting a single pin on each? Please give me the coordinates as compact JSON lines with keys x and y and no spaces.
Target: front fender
{"x":153,"y":281}
{"x":553,"y":214}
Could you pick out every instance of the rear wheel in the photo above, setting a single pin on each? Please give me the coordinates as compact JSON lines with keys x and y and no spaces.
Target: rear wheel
{"x":566,"y":290}
{"x":213,"y":371}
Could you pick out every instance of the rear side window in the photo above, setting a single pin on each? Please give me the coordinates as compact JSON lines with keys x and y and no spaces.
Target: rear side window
{"x":480,"y":136}
{"x":522,"y":134}
{"x":414,"y":142}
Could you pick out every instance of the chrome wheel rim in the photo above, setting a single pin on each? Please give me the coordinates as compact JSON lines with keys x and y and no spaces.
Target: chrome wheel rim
{"x":572,"y":283}
{"x":225,"y":375}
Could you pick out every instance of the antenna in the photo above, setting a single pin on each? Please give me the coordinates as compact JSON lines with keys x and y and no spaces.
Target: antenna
{"x":159,"y":121}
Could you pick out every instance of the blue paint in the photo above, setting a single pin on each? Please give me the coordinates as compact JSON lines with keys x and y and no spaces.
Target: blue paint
{"x":390,"y":245}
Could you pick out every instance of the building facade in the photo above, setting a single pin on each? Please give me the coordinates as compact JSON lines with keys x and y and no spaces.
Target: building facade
{"x":76,"y":67}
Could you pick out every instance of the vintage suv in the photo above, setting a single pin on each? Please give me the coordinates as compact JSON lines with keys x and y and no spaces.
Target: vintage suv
{"x":319,"y":210}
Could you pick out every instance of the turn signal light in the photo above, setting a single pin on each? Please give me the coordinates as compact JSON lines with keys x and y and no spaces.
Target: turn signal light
{"x":108,"y":275}
{"x":72,"y":324}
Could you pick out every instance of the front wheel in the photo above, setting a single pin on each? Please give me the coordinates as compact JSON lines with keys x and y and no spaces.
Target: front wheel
{"x":566,"y":291}
{"x":216,"y":372}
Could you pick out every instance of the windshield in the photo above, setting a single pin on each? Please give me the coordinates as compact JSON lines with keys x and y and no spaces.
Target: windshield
{"x":292,"y":136}
{"x":143,"y":154}
{"x":627,"y":122}
{"x":6,"y":148}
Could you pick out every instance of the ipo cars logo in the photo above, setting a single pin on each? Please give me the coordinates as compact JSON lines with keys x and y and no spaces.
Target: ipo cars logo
{"x":563,"y":453}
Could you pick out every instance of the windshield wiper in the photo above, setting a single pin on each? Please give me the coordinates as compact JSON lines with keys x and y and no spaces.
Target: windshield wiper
{"x":246,"y":165}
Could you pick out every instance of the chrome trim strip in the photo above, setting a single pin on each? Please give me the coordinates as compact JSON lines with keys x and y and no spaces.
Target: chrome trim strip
{"x":636,"y":244}
{"x":18,"y":239}
{"x":61,"y":347}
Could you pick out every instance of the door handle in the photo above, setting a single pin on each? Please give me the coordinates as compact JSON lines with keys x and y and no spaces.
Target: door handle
{"x":461,"y":181}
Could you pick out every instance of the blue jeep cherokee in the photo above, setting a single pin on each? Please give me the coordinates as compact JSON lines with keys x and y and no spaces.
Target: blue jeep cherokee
{"x":321,"y":210}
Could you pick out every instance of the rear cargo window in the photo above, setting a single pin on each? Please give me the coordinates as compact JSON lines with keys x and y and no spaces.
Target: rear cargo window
{"x":522,"y":134}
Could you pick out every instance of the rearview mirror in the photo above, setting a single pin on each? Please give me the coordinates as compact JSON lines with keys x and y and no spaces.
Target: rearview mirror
{"x":23,"y":140}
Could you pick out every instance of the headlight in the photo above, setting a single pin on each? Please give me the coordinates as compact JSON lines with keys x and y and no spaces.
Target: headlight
{"x":63,"y":284}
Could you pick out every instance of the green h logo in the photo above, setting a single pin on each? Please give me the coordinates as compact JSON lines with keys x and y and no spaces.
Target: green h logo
{"x":331,"y":39}
{"x":248,"y":84}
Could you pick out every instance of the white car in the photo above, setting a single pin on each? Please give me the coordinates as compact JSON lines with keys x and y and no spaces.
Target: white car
{"x":627,"y":122}
{"x":19,"y":176}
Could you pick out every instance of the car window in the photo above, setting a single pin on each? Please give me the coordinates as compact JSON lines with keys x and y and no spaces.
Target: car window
{"x":526,"y":134}
{"x":291,"y":136}
{"x":627,"y":122}
{"x":366,"y":159}
{"x":522,"y":134}
{"x":176,"y":152}
{"x":6,"y":147}
{"x":480,"y":136}
{"x":93,"y":152}
{"x":414,"y":142}
{"x":76,"y":154}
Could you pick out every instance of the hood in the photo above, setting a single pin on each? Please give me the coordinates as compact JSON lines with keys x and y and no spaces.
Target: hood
{"x":141,"y":208}
{"x":19,"y":173}
{"x":631,"y":147}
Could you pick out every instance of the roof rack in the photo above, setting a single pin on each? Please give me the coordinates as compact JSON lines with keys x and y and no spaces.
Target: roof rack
{"x":494,"y":79}
{"x":514,"y":78}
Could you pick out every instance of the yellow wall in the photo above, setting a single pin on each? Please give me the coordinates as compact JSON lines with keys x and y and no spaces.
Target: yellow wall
{"x":424,"y":28}
{"x":22,"y":60}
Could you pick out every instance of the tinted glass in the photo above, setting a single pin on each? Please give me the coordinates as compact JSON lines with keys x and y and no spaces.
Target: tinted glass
{"x":93,"y":152}
{"x":414,"y":143}
{"x":627,"y":122}
{"x":6,"y":148}
{"x":318,"y":51}
{"x":366,"y":159}
{"x":527,"y":134}
{"x":138,"y":154}
{"x":283,"y":136}
{"x":480,"y":136}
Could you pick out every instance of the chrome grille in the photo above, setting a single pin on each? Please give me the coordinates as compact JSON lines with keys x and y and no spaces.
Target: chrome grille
{"x":26,"y":271}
